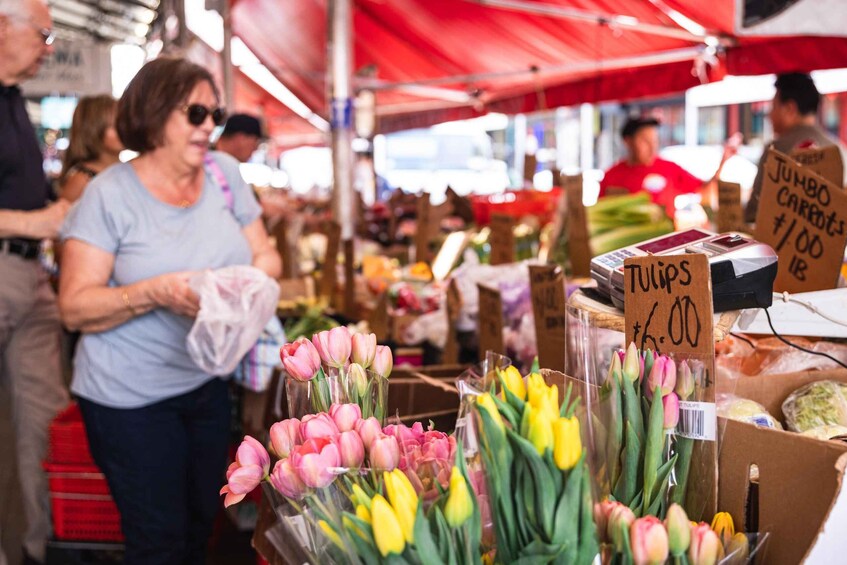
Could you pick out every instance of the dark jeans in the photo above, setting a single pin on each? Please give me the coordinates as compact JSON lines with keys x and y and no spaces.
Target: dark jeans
{"x":164,"y":464}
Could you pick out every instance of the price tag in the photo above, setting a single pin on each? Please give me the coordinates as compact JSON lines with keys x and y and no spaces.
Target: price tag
{"x":668,"y":303}
{"x":502,"y":239}
{"x":697,"y":420}
{"x":802,"y":216}
{"x":579,"y":249}
{"x":547,"y":289}
{"x":490,"y":321}
{"x":730,"y":212}
{"x":826,"y":162}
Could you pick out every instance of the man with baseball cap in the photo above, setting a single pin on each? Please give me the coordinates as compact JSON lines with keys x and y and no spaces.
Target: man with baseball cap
{"x":241,"y":136}
{"x":644,"y":170}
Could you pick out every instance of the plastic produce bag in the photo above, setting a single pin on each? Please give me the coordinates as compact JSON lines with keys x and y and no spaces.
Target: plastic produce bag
{"x":235,"y":305}
{"x":744,"y":410}
{"x":816,"y":404}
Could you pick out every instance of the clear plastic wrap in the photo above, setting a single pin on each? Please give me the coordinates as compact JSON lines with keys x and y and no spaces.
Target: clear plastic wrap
{"x":817,"y":404}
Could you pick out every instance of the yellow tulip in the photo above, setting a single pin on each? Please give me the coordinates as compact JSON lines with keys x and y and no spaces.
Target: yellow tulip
{"x":553,"y":401}
{"x":567,"y":445}
{"x":723,"y":525}
{"x":404,"y":500}
{"x":536,"y":389}
{"x":388,"y":535}
{"x":459,"y":506}
{"x":514,"y":382}
{"x":353,"y":527}
{"x":330,"y":533}
{"x":360,"y":497}
{"x":363,"y":513}
{"x":486,"y":402}
{"x":540,"y":430}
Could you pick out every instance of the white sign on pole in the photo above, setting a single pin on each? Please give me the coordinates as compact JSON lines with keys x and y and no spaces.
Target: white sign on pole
{"x":75,"y":68}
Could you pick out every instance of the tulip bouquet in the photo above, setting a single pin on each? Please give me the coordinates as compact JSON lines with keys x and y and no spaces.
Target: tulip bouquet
{"x":645,"y":465}
{"x":537,"y":480}
{"x":331,"y":458}
{"x":334,"y":367}
{"x":627,"y":540}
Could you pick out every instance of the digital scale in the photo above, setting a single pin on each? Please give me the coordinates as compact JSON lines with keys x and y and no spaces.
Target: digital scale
{"x":743,"y":269}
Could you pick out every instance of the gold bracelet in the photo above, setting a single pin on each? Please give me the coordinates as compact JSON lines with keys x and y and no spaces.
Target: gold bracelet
{"x":125,"y":296}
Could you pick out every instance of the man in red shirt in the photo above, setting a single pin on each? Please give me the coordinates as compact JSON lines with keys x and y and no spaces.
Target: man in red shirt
{"x":644,"y":170}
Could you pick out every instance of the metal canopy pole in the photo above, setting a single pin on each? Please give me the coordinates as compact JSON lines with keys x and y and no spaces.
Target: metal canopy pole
{"x":226,"y":56}
{"x":340,"y":69}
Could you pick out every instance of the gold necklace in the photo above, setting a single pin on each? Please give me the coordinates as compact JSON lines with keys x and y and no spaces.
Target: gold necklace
{"x":184,"y":203}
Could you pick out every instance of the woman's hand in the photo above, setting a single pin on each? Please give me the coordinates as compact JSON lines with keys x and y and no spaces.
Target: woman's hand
{"x":173,"y":292}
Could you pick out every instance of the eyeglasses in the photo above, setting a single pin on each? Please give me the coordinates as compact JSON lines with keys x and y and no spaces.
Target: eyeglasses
{"x":48,"y":36}
{"x":197,"y":114}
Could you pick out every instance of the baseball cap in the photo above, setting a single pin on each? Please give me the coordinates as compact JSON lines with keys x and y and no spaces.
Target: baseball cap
{"x":243,"y":123}
{"x":632,"y":125}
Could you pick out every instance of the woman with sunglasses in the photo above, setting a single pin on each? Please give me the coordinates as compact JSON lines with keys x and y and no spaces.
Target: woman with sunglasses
{"x":157,"y":425}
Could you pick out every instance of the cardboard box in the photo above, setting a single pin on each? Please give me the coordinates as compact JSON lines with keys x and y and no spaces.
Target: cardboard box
{"x":428,"y":393}
{"x":796,"y":480}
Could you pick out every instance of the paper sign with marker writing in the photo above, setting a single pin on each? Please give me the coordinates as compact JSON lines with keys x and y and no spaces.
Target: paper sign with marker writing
{"x":490,"y":321}
{"x":803,"y":217}
{"x":730,"y":212}
{"x":825,"y":161}
{"x":668,"y":303}
{"x":547,"y":289}
{"x":502,"y":239}
{"x":579,"y":249}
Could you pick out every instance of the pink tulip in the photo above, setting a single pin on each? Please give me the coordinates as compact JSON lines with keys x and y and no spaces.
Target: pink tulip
{"x":662,"y":375}
{"x":649,"y":541}
{"x":684,"y":381}
{"x":368,"y":430}
{"x":251,"y":465}
{"x":438,"y":445}
{"x":284,"y":436}
{"x":300,"y":359}
{"x":334,"y":346}
{"x":620,"y":519}
{"x":670,"y":403}
{"x":404,"y":433}
{"x":602,"y":511}
{"x":317,"y":425}
{"x":630,"y":363}
{"x":352,"y":450}
{"x":364,"y":349}
{"x":705,"y":545}
{"x":384,"y":453}
{"x":345,"y":416}
{"x":383,"y":361}
{"x":284,"y":478}
{"x":316,"y":461}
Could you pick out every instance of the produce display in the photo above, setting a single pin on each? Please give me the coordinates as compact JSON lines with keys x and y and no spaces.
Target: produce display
{"x":817,"y":404}
{"x":618,"y":221}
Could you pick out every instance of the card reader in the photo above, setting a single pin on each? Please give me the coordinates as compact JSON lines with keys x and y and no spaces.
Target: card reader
{"x":743,"y":269}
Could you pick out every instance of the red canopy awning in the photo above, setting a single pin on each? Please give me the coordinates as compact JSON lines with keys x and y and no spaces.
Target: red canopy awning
{"x":437,"y":60}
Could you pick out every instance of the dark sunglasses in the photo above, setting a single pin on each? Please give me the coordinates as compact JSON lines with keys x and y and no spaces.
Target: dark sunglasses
{"x":197,"y":114}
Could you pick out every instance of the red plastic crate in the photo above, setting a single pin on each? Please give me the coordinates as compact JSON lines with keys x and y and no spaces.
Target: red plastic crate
{"x":75,"y":479}
{"x":85,"y":517}
{"x":68,"y":443}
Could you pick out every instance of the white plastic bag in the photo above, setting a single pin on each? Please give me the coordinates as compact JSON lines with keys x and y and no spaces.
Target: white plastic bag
{"x":235,"y":304}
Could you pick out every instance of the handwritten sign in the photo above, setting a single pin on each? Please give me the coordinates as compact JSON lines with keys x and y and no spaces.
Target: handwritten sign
{"x":530,"y":163}
{"x":579,"y":249}
{"x":802,"y":216}
{"x":502,"y":239}
{"x":454,"y":306}
{"x":329,"y":270}
{"x":730,"y":212}
{"x":547,"y":289}
{"x":668,"y":303}
{"x":490,"y":321}
{"x":826,"y":161}
{"x":423,"y":228}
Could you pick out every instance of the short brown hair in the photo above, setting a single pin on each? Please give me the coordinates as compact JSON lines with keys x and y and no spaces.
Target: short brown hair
{"x":160,"y":87}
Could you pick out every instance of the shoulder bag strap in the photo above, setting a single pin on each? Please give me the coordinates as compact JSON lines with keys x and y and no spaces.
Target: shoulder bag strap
{"x":220,"y":178}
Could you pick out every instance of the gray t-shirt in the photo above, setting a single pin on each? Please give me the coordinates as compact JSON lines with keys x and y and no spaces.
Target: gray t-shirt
{"x":145,"y":360}
{"x":799,"y":136}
